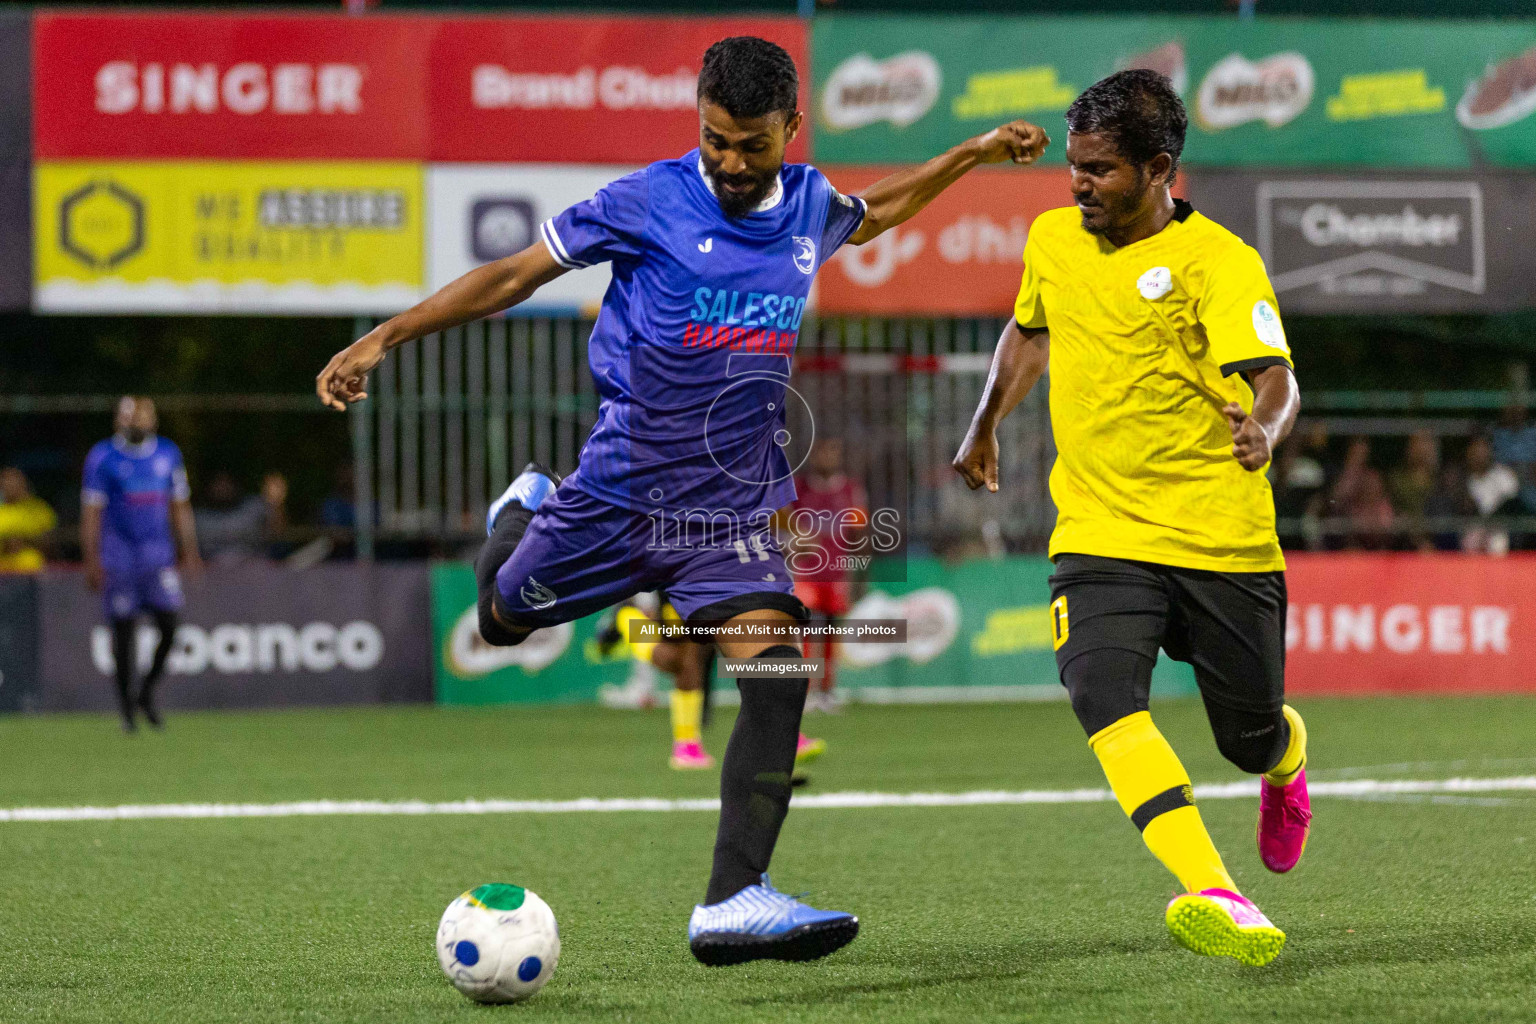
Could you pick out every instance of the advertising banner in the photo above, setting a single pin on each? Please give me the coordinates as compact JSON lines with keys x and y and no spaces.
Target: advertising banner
{"x":278,"y":237}
{"x":1383,"y":243}
{"x":1280,"y":92}
{"x":15,"y":160}
{"x":975,"y":631}
{"x":1410,"y":623}
{"x":582,"y":90}
{"x":385,"y":87}
{"x":477,"y":213}
{"x":253,"y":636}
{"x":963,"y":255}
{"x":284,"y":86}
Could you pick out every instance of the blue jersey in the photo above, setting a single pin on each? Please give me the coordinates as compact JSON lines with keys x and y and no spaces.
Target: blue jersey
{"x":691,"y":351}
{"x":134,"y":485}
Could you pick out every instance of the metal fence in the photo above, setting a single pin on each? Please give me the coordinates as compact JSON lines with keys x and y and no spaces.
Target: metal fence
{"x":455,"y":415}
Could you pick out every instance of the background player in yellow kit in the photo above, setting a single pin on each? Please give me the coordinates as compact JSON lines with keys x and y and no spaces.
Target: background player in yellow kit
{"x":690,"y":665}
{"x":1171,"y":385}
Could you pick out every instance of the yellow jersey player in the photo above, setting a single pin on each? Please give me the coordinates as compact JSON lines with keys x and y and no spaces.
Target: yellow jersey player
{"x":1171,"y":385}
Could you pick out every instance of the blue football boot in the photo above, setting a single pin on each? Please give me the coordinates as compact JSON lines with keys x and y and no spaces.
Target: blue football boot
{"x":761,"y":923}
{"x":532,"y":486}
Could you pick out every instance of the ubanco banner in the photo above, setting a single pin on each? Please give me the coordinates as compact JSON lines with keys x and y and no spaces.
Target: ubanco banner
{"x":1269,"y":92}
{"x":228,"y":237}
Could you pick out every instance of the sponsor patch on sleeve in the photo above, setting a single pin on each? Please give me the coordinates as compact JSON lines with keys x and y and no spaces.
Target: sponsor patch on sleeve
{"x":1266,"y":324}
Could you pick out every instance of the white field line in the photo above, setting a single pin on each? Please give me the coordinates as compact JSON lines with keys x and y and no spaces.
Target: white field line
{"x":1355,"y":788}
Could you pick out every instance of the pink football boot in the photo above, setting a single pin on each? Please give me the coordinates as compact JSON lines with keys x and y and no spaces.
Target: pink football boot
{"x":690,"y":754}
{"x":1285,"y":818}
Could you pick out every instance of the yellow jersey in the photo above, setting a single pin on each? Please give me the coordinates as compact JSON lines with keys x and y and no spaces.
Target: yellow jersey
{"x":21,"y":522}
{"x":1148,"y":343}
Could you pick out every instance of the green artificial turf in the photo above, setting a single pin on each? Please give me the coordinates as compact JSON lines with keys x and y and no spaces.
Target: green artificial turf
{"x":1412,"y":910}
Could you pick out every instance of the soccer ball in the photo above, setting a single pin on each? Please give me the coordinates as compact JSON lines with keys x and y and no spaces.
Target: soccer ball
{"x":498,"y":943}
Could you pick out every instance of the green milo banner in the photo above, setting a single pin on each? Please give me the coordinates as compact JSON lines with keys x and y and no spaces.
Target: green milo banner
{"x":1267,"y":92}
{"x":977,"y":630}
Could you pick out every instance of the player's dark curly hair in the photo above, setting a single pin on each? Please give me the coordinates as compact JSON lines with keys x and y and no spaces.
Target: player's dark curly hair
{"x":749,"y":77}
{"x":1138,"y":110}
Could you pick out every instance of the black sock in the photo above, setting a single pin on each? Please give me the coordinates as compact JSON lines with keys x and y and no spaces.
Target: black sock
{"x":511,"y":524}
{"x":755,"y":778}
{"x":123,"y":651}
{"x":166,"y":623}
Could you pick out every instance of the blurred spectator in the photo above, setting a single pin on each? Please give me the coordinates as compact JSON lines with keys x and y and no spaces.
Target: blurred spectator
{"x":1450,"y":498}
{"x":24,"y":519}
{"x":233,"y":528}
{"x":1360,"y":496}
{"x":1514,"y":440}
{"x":339,"y":509}
{"x":1411,"y":484}
{"x":1514,"y":444}
{"x":1494,"y":488}
{"x":1299,"y":479}
{"x":1314,"y":449}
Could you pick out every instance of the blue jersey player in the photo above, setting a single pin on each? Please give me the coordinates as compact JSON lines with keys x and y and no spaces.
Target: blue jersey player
{"x":134,"y":515}
{"x":713,"y":255}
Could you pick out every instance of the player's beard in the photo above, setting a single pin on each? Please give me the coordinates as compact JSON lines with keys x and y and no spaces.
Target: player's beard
{"x":754,"y":188}
{"x":1118,"y":211}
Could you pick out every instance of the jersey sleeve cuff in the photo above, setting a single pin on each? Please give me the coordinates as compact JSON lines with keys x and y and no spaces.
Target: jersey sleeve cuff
{"x":95,"y":499}
{"x":1244,"y":365}
{"x":556,"y":246}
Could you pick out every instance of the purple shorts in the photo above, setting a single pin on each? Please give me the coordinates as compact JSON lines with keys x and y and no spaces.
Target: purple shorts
{"x":581,"y":555}
{"x":127,"y":593}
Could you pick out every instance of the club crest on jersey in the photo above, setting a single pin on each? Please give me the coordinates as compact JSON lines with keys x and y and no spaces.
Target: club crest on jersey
{"x":805,"y":254}
{"x":1155,"y":283}
{"x":537,"y":594}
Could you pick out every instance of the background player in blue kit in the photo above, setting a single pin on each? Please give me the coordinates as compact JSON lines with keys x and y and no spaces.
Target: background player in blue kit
{"x":135,"y":515}
{"x":713,"y":256}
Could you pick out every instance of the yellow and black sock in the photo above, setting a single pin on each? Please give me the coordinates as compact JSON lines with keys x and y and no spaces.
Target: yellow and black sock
{"x":1154,"y":791}
{"x":687,"y":715}
{"x":1295,"y":757}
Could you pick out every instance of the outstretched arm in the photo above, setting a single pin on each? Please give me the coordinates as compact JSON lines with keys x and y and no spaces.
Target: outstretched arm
{"x":479,"y":293}
{"x":1021,"y":357}
{"x":899,"y":197}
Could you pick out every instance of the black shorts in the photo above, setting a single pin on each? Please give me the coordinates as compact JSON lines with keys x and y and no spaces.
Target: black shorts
{"x":1229,"y":625}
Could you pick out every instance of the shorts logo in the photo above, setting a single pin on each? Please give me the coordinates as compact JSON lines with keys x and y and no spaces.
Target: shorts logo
{"x":1059,"y":621}
{"x":1155,"y":283}
{"x":805,"y":254}
{"x":537,"y":595}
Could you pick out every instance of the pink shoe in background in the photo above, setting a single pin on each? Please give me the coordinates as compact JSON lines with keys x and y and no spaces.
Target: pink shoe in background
{"x":690,"y":754}
{"x":1285,"y":818}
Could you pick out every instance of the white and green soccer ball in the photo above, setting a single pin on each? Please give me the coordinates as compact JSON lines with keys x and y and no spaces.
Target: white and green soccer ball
{"x":498,"y":943}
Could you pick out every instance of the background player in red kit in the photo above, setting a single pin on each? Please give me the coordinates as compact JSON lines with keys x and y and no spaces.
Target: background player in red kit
{"x":829,"y":520}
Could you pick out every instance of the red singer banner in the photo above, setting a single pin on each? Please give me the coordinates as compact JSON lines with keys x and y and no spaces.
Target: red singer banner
{"x":963,"y":255}
{"x":230,"y":86}
{"x":1410,"y":624}
{"x":583,"y":90}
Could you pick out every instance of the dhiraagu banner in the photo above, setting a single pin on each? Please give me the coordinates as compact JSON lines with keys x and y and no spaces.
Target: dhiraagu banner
{"x":1267,"y":92}
{"x":170,"y":236}
{"x":976,"y":631}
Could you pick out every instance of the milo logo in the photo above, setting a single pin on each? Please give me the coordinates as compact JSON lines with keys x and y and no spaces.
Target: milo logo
{"x":862,"y":91}
{"x":1274,"y":90}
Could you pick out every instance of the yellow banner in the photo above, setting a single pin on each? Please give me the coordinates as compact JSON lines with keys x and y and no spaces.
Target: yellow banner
{"x":264,"y":237}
